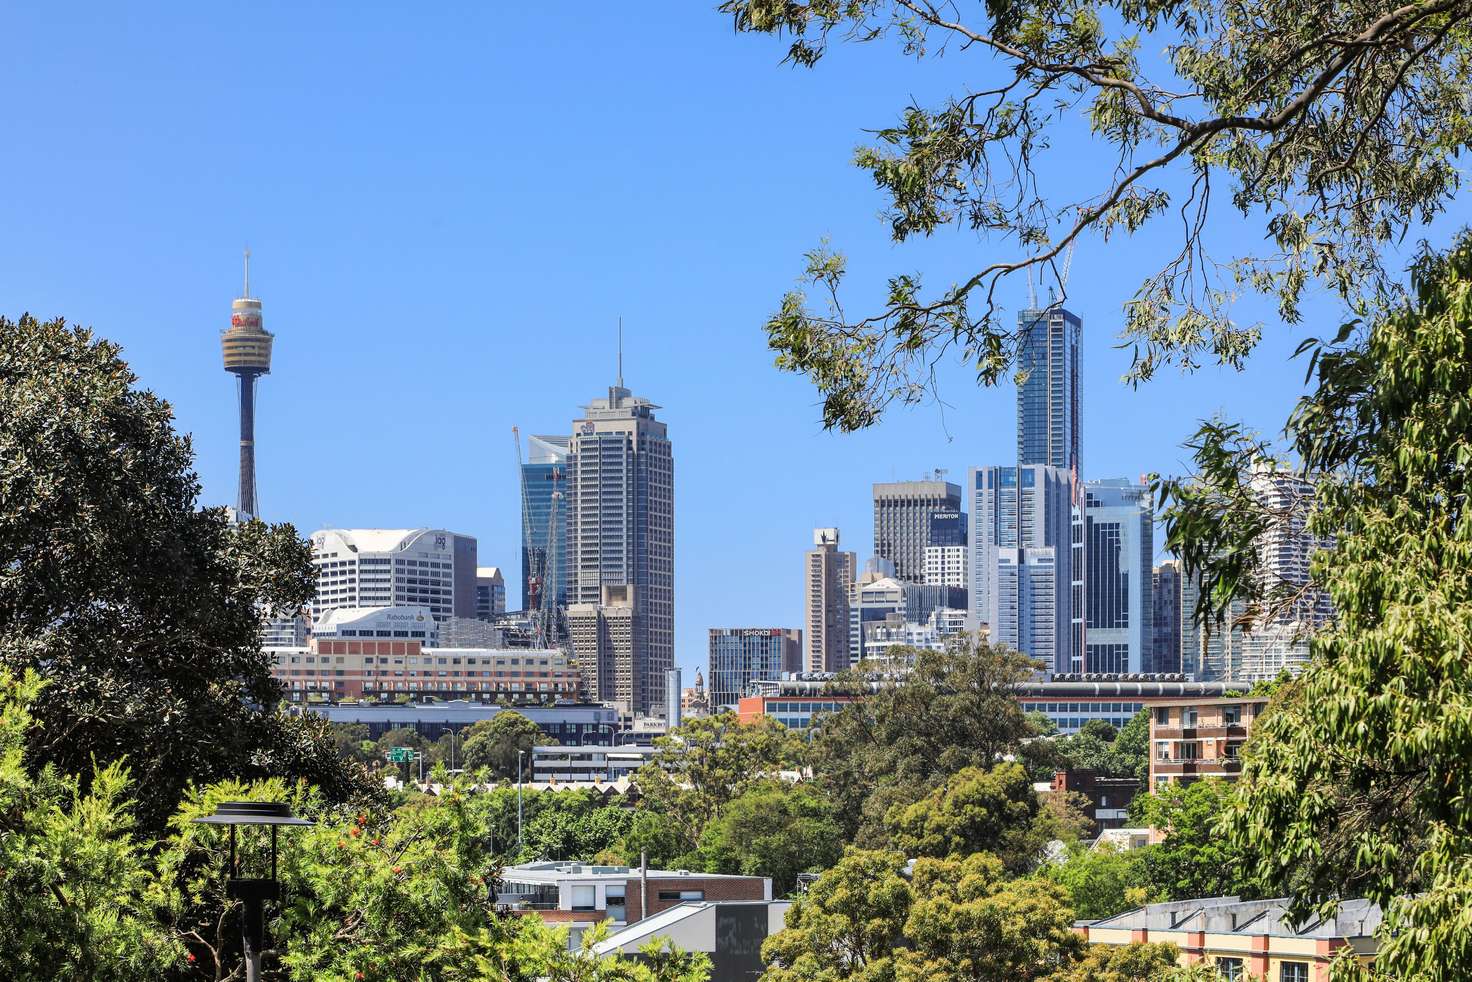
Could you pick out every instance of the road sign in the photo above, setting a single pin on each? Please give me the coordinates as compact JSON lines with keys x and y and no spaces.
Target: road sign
{"x":400,"y":755}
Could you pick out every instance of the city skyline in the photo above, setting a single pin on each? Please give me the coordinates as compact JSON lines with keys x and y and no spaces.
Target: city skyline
{"x":387,"y":347}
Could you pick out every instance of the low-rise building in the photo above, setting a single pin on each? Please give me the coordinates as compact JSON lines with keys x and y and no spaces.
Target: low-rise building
{"x":1109,"y":797}
{"x":1195,"y":738}
{"x":563,"y":765}
{"x":729,"y":932}
{"x":1069,"y":701}
{"x":1245,"y":939}
{"x":568,"y":725}
{"x":578,"y":895}
{"x":400,"y":662}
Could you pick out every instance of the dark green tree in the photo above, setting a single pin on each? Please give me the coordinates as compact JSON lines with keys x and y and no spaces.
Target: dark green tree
{"x":1102,"y":881}
{"x":955,"y":709}
{"x":140,"y":610}
{"x":1355,"y":781}
{"x":993,"y":811}
{"x":706,"y":763}
{"x":1195,"y":860}
{"x":1334,"y":126}
{"x":773,"y":829}
{"x":499,"y":743}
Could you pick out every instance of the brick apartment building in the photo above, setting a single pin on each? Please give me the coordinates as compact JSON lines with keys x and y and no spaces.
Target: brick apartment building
{"x":1195,"y":738}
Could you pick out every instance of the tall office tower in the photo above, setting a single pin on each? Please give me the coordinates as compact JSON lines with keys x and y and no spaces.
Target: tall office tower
{"x":829,"y":601}
{"x":1120,"y":604}
{"x":1020,"y":583}
{"x":1166,"y":589}
{"x":490,"y":593}
{"x":903,"y":512}
{"x":544,"y":526}
{"x":1048,"y":399}
{"x":621,"y":542}
{"x":1049,"y":431}
{"x":432,"y":568}
{"x":247,"y":350}
{"x":742,"y":655}
{"x":1290,"y":608}
{"x":672,"y":699}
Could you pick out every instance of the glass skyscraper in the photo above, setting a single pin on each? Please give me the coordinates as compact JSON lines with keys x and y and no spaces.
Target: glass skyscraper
{"x":1048,"y":398}
{"x":544,"y":495}
{"x":1120,"y":527}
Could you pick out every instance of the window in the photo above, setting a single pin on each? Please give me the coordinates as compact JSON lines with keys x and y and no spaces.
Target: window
{"x":1232,"y":750}
{"x":1231,"y":715}
{"x":682,"y":895}
{"x":1229,"y":969}
{"x":1293,"y":972}
{"x":1188,"y":750}
{"x":614,"y":897}
{"x":1188,"y":716}
{"x":1162,"y":717}
{"x":1162,"y":750}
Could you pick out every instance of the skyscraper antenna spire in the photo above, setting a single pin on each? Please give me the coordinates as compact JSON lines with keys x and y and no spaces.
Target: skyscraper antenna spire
{"x":246,"y":292}
{"x":620,"y":352}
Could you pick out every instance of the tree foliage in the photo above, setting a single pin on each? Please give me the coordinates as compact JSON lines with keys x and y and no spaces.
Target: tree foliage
{"x":774,"y":829}
{"x":1102,"y":881}
{"x":993,"y":811}
{"x":1334,"y":125}
{"x":496,"y":745}
{"x":76,"y":896}
{"x":955,"y":709}
{"x":1355,"y":781}
{"x":1195,"y":859}
{"x":141,"y":610}
{"x":953,"y":919}
{"x":703,"y":765}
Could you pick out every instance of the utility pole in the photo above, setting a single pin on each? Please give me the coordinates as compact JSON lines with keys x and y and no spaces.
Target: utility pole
{"x":520,"y":841}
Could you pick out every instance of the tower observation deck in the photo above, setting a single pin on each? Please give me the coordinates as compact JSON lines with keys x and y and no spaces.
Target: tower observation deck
{"x":246,"y":347}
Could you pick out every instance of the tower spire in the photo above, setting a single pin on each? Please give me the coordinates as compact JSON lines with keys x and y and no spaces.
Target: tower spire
{"x":246,"y":291}
{"x":620,"y":352}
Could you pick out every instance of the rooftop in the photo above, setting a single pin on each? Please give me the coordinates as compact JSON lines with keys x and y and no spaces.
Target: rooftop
{"x":553,"y":872}
{"x":1231,"y":915}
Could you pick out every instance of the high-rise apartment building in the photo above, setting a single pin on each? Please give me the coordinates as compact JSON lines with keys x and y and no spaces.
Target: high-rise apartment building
{"x":829,"y":601}
{"x":621,"y":549}
{"x":1291,"y":608}
{"x":1257,"y":641}
{"x":1021,"y":533}
{"x":431,"y":568}
{"x":1166,"y":606}
{"x":904,"y":514}
{"x":1120,"y":603}
{"x":740,"y":656}
{"x":490,"y":593}
{"x":544,"y":526}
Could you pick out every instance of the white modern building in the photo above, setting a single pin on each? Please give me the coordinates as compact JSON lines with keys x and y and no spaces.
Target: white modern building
{"x":1021,"y":553}
{"x":405,"y":623}
{"x":564,"y":765}
{"x":946,"y":566}
{"x":432,"y":568}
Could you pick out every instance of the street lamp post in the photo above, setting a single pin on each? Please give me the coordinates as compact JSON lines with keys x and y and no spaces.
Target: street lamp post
{"x":252,"y":892}
{"x":519,"y":840}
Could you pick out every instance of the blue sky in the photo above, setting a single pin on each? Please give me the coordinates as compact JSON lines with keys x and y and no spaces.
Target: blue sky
{"x":449,"y":208}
